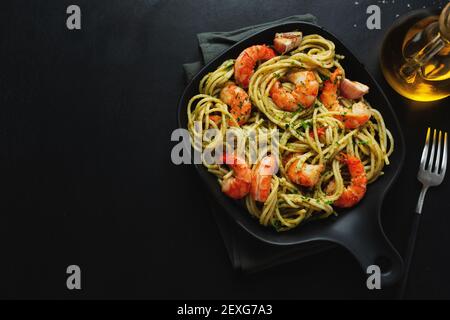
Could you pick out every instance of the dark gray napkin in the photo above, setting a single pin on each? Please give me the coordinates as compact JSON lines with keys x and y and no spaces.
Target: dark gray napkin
{"x":214,"y":43}
{"x":250,"y":255}
{"x":246,"y":252}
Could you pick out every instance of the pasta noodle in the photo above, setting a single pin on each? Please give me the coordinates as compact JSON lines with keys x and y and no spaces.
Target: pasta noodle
{"x":288,"y":203}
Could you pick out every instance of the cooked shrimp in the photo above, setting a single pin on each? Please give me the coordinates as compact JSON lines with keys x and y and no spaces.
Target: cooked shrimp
{"x":320,"y":133}
{"x":304,"y":94}
{"x":284,"y":99}
{"x":356,"y":116}
{"x":262,"y":178}
{"x":240,"y":168}
{"x":215,"y":118}
{"x":329,"y":96}
{"x":238,"y":101}
{"x":308,"y":175}
{"x":353,"y":89}
{"x":285,"y":42}
{"x":237,"y":186}
{"x":246,"y":62}
{"x":306,"y":87}
{"x":358,"y":185}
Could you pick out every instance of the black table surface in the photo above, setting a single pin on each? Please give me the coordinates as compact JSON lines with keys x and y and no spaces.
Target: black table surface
{"x":85,"y":124}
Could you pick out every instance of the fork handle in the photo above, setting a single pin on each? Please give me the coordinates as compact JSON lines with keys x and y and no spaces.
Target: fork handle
{"x":410,"y":253}
{"x":423,"y":193}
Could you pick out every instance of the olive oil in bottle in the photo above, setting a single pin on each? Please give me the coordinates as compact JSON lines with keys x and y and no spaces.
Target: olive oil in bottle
{"x":415,"y":56}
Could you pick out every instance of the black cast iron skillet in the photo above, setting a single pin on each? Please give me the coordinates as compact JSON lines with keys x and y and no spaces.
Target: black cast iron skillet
{"x":359,"y":229}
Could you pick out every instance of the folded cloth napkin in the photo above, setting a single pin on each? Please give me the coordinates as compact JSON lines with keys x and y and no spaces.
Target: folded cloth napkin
{"x":250,"y":255}
{"x":246,"y":252}
{"x":214,"y":43}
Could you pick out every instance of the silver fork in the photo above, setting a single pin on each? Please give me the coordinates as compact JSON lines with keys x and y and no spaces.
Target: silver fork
{"x":431,"y":174}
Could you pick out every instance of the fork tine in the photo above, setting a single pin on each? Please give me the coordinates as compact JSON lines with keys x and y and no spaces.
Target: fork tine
{"x":444,"y":156}
{"x":438,"y":155}
{"x":433,"y":147}
{"x":425,"y":150}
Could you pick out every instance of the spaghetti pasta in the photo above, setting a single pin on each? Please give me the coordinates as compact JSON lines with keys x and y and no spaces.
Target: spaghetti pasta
{"x":320,"y":137}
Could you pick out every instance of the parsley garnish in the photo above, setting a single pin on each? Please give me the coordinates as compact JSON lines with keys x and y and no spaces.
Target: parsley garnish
{"x":277,"y":225}
{"x":323,"y":77}
{"x":305,"y":125}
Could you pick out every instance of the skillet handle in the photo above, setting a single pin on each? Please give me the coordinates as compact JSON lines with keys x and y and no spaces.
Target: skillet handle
{"x":373,"y":248}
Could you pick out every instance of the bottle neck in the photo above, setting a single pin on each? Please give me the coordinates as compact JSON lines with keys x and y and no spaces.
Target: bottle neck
{"x":444,"y":23}
{"x":440,"y":40}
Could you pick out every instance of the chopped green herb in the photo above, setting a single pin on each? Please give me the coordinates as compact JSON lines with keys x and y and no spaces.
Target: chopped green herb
{"x":277,"y":225}
{"x":305,"y":125}
{"x":323,"y":77}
